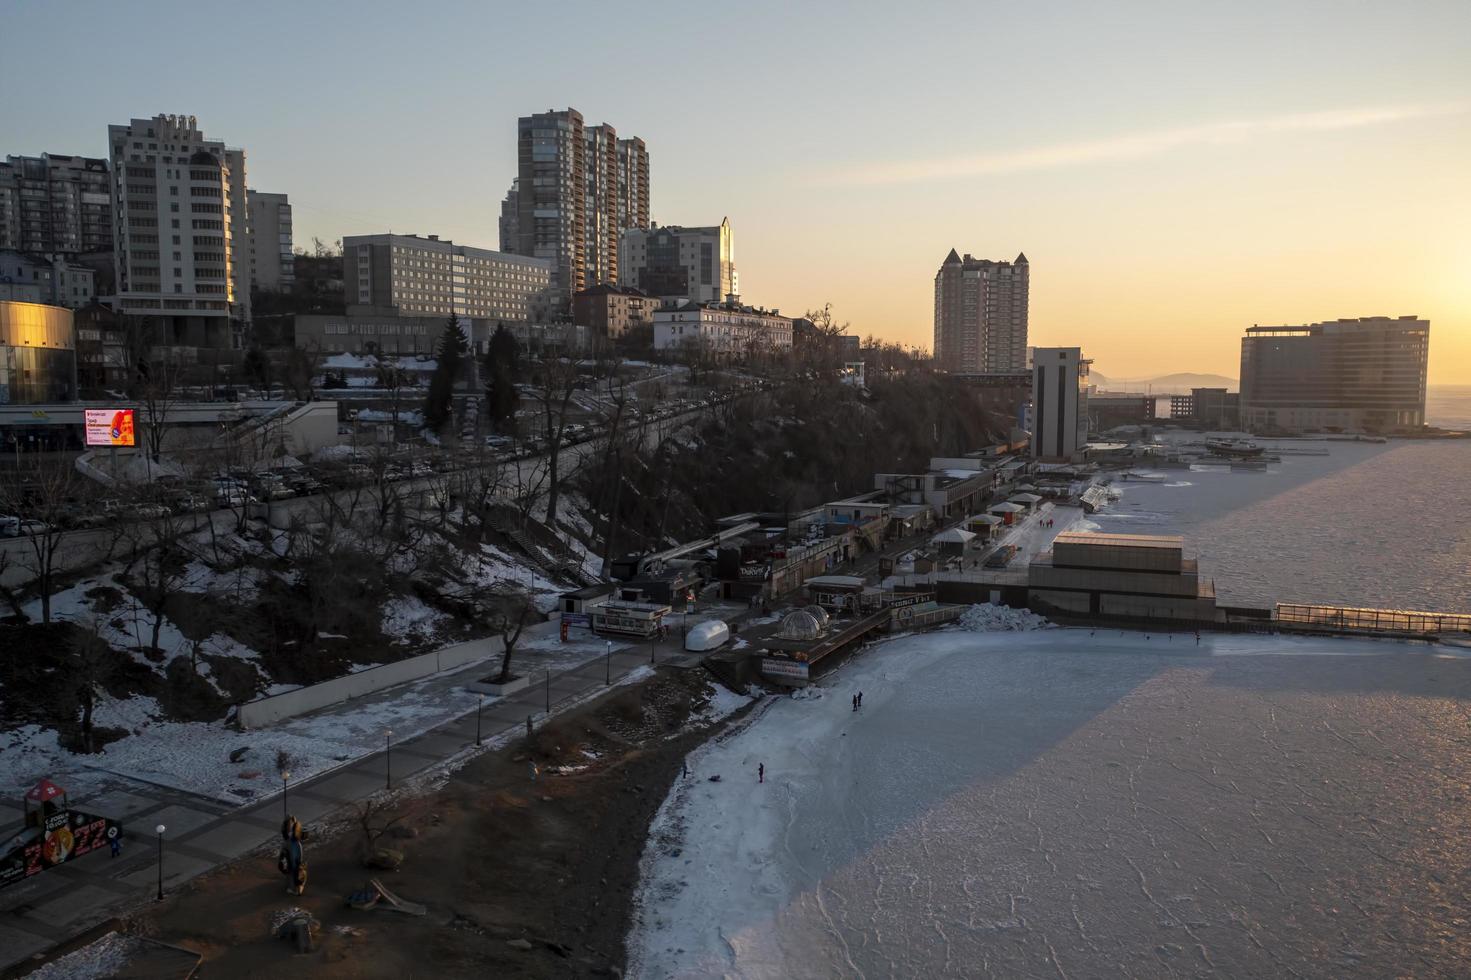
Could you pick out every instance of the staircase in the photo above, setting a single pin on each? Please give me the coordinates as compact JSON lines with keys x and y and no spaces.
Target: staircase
{"x":554,"y":561}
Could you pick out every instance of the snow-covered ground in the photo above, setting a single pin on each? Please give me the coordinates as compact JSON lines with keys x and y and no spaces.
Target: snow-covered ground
{"x":1003,"y":800}
{"x":195,"y":756}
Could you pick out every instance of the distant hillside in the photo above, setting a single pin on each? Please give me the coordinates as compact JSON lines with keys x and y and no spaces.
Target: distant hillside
{"x":1179,"y":382}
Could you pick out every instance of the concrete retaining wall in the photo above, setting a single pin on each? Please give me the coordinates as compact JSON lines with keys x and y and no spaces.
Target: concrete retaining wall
{"x":268,"y":710}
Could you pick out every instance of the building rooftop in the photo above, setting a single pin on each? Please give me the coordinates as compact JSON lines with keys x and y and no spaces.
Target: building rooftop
{"x":1169,"y":541}
{"x":608,"y":289}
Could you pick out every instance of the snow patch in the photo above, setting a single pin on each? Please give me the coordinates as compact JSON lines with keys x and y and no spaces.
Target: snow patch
{"x":986,"y":618}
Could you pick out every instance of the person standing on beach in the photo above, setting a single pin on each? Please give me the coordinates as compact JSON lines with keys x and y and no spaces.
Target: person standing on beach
{"x":761,"y":772}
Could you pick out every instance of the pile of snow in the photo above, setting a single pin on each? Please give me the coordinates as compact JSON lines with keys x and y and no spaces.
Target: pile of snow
{"x":809,"y":693}
{"x":986,"y":618}
{"x":104,"y":958}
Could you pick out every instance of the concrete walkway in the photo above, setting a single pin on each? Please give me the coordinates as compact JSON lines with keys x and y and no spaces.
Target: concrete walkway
{"x":202,"y":834}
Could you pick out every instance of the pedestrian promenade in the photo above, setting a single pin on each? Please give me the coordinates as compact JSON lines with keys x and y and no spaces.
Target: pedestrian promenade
{"x":203,"y":834}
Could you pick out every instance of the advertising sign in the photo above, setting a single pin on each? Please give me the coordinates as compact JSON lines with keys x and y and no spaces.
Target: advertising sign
{"x":783,"y":670}
{"x":109,"y":427}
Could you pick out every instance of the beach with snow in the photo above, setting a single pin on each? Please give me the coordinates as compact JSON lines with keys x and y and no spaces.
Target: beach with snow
{"x":1067,"y":802}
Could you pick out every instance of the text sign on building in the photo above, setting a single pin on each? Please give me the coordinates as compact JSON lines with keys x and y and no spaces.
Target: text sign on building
{"x":109,"y":427}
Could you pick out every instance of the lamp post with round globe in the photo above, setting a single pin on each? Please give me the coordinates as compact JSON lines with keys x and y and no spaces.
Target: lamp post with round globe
{"x":160,"y":829}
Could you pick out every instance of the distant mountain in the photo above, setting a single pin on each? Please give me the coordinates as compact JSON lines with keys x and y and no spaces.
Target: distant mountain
{"x":1178,"y":383}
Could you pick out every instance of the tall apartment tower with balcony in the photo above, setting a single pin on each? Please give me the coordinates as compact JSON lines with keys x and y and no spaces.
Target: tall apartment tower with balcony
{"x":633,"y":184}
{"x":272,"y":264}
{"x":603,"y":207}
{"x":551,"y":202}
{"x":180,"y":224}
{"x":981,"y":315}
{"x":577,"y":187}
{"x":509,"y":221}
{"x":55,"y":205}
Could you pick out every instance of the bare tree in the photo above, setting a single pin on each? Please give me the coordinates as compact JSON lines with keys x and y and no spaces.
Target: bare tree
{"x":555,"y":383}
{"x":92,"y":662}
{"x":300,"y":370}
{"x":509,"y":609}
{"x":392,"y":378}
{"x":156,"y":387}
{"x":159,"y":563}
{"x":39,"y":490}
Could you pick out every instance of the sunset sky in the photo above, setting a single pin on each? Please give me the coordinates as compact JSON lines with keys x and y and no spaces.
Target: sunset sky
{"x":1174,"y":171}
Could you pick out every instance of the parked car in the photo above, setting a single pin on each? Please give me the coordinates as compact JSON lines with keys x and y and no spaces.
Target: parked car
{"x":234,"y":497}
{"x":80,"y":519}
{"x":305,"y":486}
{"x":188,"y":503}
{"x":20,"y":527}
{"x":146,"y":511}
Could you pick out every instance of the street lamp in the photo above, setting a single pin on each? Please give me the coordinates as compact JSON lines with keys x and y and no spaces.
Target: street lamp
{"x":608,"y":663}
{"x":160,"y":829}
{"x":479,"y":705}
{"x":285,"y":810}
{"x":388,"y":758}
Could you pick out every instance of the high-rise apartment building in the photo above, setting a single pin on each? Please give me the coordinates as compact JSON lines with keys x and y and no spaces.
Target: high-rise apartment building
{"x":981,"y":315}
{"x":1059,"y":402}
{"x":676,"y":263}
{"x":180,"y":224}
{"x":53,"y":204}
{"x":272,"y":264}
{"x":551,"y":219}
{"x":602,"y":208}
{"x":412,"y":276}
{"x":576,"y":188}
{"x":633,"y":184}
{"x":1365,"y":375}
{"x":508,"y":222}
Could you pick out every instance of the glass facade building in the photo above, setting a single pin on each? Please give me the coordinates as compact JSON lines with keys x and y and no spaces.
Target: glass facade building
{"x":1365,"y":375}
{"x":38,"y":356}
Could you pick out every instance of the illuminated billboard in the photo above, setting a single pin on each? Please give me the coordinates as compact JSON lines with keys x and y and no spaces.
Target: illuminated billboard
{"x":110,"y":427}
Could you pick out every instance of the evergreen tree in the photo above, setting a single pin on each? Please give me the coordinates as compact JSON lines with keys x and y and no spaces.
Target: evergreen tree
{"x":257,"y":367}
{"x":502,"y":371}
{"x":450,"y":358}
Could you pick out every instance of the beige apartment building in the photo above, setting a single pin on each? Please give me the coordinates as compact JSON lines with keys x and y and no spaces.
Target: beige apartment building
{"x":180,"y":223}
{"x":981,"y":315}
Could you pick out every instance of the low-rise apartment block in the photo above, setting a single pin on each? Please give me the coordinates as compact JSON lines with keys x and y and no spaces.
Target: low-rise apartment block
{"x":412,"y":276}
{"x":721,"y":328}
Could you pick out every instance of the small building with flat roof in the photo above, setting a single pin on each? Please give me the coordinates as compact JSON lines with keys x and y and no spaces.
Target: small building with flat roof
{"x":1126,"y":576}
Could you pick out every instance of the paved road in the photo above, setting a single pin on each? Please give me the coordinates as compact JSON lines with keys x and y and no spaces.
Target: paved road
{"x":62,"y":903}
{"x":82,"y":548}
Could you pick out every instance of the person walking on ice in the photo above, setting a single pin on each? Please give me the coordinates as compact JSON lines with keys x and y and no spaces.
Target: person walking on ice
{"x":761,"y":772}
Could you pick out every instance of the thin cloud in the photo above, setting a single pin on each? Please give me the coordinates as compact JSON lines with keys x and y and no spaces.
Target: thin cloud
{"x":1136,"y":145}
